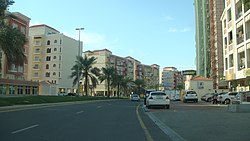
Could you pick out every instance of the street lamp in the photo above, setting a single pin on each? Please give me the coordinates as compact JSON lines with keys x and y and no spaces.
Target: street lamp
{"x":79,"y":54}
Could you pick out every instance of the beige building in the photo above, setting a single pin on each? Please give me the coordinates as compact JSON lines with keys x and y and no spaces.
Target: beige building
{"x":127,"y":66}
{"x":52,"y":55}
{"x":236,"y":44}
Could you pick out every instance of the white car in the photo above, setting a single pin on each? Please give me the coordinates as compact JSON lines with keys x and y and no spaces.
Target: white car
{"x":135,"y":97}
{"x":227,"y":97}
{"x":207,"y":97}
{"x":190,"y":96}
{"x":158,"y":98}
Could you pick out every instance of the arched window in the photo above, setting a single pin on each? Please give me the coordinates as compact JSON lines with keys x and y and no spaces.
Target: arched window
{"x":47,"y":66}
{"x":54,"y":73}
{"x":48,"y":42}
{"x":55,"y":49}
{"x":54,"y":65}
{"x":55,"y":41}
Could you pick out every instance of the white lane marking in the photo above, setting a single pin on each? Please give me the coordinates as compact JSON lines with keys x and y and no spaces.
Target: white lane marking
{"x":98,"y":107}
{"x":167,"y":130}
{"x":27,"y":128}
{"x":79,"y":112}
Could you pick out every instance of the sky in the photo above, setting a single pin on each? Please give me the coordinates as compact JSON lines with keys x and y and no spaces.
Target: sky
{"x":152,"y":31}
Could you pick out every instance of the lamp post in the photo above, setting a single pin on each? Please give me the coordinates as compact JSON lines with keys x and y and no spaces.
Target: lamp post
{"x":79,"y":54}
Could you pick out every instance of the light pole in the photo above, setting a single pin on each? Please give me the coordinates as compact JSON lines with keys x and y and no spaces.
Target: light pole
{"x":79,"y":54}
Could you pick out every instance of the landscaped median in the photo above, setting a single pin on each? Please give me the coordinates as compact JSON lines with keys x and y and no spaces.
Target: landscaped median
{"x":25,"y":100}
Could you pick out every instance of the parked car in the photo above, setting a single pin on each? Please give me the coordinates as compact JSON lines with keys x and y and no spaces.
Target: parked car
{"x":147,"y":92}
{"x":135,"y":97}
{"x":190,"y":96}
{"x":226,"y":97}
{"x":241,"y":97}
{"x":158,"y":98}
{"x":207,"y":97}
{"x":71,"y":94}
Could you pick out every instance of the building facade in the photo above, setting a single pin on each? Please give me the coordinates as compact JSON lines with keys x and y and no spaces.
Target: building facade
{"x":236,"y":44}
{"x":52,"y":55}
{"x":125,"y":66}
{"x":209,"y":46}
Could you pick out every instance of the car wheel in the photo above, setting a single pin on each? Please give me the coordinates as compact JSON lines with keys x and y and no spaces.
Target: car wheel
{"x":227,"y":101}
{"x":167,"y":106}
{"x":209,"y":99}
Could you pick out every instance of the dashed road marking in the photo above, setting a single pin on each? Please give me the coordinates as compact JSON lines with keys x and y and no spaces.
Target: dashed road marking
{"x":24,"y":129}
{"x":79,"y":112}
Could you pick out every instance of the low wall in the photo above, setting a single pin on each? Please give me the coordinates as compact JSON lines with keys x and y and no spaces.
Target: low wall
{"x":239,"y":108}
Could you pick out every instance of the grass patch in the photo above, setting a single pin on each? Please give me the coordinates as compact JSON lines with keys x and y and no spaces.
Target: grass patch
{"x":9,"y":101}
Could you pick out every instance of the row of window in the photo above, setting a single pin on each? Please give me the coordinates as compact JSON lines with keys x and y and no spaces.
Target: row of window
{"x":14,"y":89}
{"x":36,"y":66}
{"x":48,"y":58}
{"x":47,"y":74}
{"x":49,"y":50}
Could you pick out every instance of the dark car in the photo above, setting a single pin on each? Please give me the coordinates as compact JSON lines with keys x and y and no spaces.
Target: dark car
{"x":71,"y":94}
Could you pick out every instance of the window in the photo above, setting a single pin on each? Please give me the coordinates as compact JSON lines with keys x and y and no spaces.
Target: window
{"x":60,"y":57}
{"x":47,"y":74}
{"x":23,"y":30}
{"x":47,"y":66}
{"x":37,"y":50}
{"x":27,"y":90}
{"x":36,"y":58}
{"x":231,"y":60}
{"x":55,"y":41}
{"x":54,"y":65}
{"x":54,"y":57}
{"x":48,"y":58}
{"x":225,"y":41}
{"x":55,"y":49}
{"x":48,"y":42}
{"x":36,"y":66}
{"x":48,"y":50}
{"x":37,"y":42}
{"x":54,"y":73}
{"x":229,"y":15}
{"x":35,"y":74}
{"x":20,"y":90}
{"x":230,"y":36}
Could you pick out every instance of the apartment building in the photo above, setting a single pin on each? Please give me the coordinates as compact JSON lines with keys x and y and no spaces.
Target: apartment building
{"x":209,"y":46}
{"x":10,"y":70}
{"x":127,"y":66}
{"x":202,"y":23}
{"x":169,"y":78}
{"x":52,"y":55}
{"x":13,"y":77}
{"x":236,"y":43}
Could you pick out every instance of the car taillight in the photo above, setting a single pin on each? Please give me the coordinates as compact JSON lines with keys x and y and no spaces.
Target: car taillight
{"x":151,"y":98}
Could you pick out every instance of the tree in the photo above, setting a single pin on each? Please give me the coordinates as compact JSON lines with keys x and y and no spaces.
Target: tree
{"x":126,"y":84}
{"x":12,"y":41}
{"x":116,"y":82}
{"x":107,"y":74}
{"x":139,"y":85}
{"x":86,"y":72}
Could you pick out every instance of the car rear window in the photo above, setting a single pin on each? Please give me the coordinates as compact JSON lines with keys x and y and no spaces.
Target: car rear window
{"x":158,"y":94}
{"x":191,"y":92}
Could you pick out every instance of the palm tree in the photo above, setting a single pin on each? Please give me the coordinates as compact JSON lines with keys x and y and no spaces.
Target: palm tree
{"x":126,"y":84}
{"x":139,"y":84}
{"x":87,"y":72}
{"x":107,"y":74}
{"x":12,"y":41}
{"x":116,"y":82}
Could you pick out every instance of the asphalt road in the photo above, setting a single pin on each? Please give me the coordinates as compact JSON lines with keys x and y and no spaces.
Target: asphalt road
{"x":119,"y":120}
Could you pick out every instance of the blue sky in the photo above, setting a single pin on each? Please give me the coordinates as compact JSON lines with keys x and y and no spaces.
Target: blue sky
{"x":152,"y":31}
